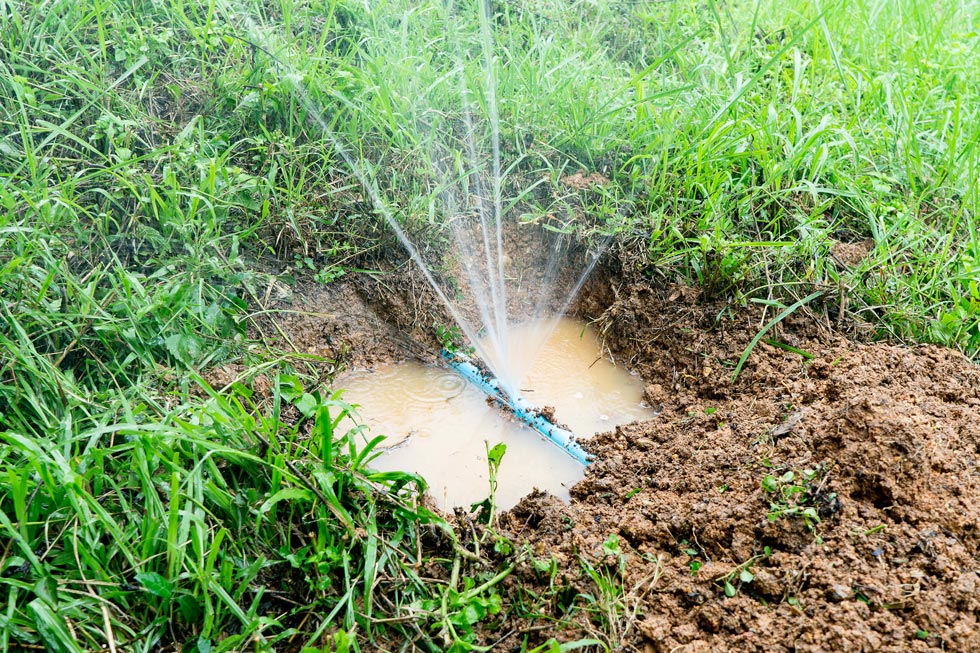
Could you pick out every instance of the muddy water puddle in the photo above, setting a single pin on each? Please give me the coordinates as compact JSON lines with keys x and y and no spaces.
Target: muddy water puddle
{"x":437,"y":423}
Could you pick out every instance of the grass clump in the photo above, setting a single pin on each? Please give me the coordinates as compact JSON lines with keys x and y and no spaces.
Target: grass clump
{"x":139,"y":508}
{"x":744,"y":146}
{"x":210,"y":526}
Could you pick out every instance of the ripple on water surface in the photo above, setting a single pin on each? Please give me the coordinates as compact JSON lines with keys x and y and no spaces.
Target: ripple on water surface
{"x":437,"y":422}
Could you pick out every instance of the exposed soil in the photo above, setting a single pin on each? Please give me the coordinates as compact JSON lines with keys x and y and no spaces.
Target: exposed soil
{"x":877,"y":549}
{"x":364,"y":320}
{"x":891,"y":435}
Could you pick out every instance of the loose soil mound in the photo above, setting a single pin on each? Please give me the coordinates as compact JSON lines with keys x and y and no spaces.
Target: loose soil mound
{"x":872,"y":545}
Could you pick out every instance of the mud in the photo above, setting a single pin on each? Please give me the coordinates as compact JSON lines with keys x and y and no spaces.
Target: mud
{"x":890,"y":436}
{"x":439,"y":425}
{"x":364,"y":320}
{"x":358,"y":322}
{"x":870,"y":545}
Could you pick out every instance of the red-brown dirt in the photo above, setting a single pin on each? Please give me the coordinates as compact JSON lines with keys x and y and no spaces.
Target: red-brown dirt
{"x":889,"y":434}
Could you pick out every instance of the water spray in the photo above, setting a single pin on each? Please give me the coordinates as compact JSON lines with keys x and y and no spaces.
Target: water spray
{"x":488,"y":279}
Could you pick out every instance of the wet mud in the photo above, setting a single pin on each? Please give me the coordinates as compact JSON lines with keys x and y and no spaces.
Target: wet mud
{"x":441,"y":426}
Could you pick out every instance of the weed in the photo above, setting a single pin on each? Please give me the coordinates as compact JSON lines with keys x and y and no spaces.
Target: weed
{"x":800,"y":495}
{"x":611,"y":607}
{"x":451,"y":339}
{"x":486,"y":509}
{"x":329,"y":274}
{"x":741,"y":575}
{"x":459,"y":608}
{"x":776,"y":320}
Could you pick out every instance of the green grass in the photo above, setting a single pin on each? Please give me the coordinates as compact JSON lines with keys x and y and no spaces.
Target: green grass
{"x":741,"y":143}
{"x":152,"y":153}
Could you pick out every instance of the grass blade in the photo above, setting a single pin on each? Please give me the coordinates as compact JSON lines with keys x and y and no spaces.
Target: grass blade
{"x":776,"y":320}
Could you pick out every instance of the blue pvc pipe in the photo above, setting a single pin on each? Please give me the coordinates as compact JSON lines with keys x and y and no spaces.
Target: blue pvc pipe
{"x":521,"y":408}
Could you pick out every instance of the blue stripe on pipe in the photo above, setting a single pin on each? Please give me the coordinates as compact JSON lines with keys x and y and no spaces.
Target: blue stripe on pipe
{"x":521,"y":408}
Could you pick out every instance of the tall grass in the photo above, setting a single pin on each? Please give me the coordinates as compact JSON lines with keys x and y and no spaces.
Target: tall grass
{"x":139,"y":508}
{"x":742,"y":142}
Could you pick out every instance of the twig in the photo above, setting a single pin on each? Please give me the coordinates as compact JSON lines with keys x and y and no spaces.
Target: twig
{"x":106,"y":621}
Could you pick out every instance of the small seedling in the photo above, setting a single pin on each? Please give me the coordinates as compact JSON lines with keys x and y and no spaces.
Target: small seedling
{"x":610,"y":548}
{"x":451,"y":339}
{"x":798,"y":494}
{"x":632,"y":493}
{"x":457,"y":612}
{"x":329,"y":274}
{"x":695,"y":564}
{"x":303,"y":262}
{"x":486,"y":509}
{"x":741,"y":575}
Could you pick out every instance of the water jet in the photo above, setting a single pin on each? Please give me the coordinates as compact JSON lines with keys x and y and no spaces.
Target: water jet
{"x":467,"y":189}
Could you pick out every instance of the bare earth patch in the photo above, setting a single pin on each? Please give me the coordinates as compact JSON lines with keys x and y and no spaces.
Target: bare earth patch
{"x":882,"y":441}
{"x":851,"y":254}
{"x":582,"y":181}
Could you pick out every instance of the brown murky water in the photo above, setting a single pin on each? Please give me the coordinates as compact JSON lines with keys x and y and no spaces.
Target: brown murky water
{"x":438,"y":424}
